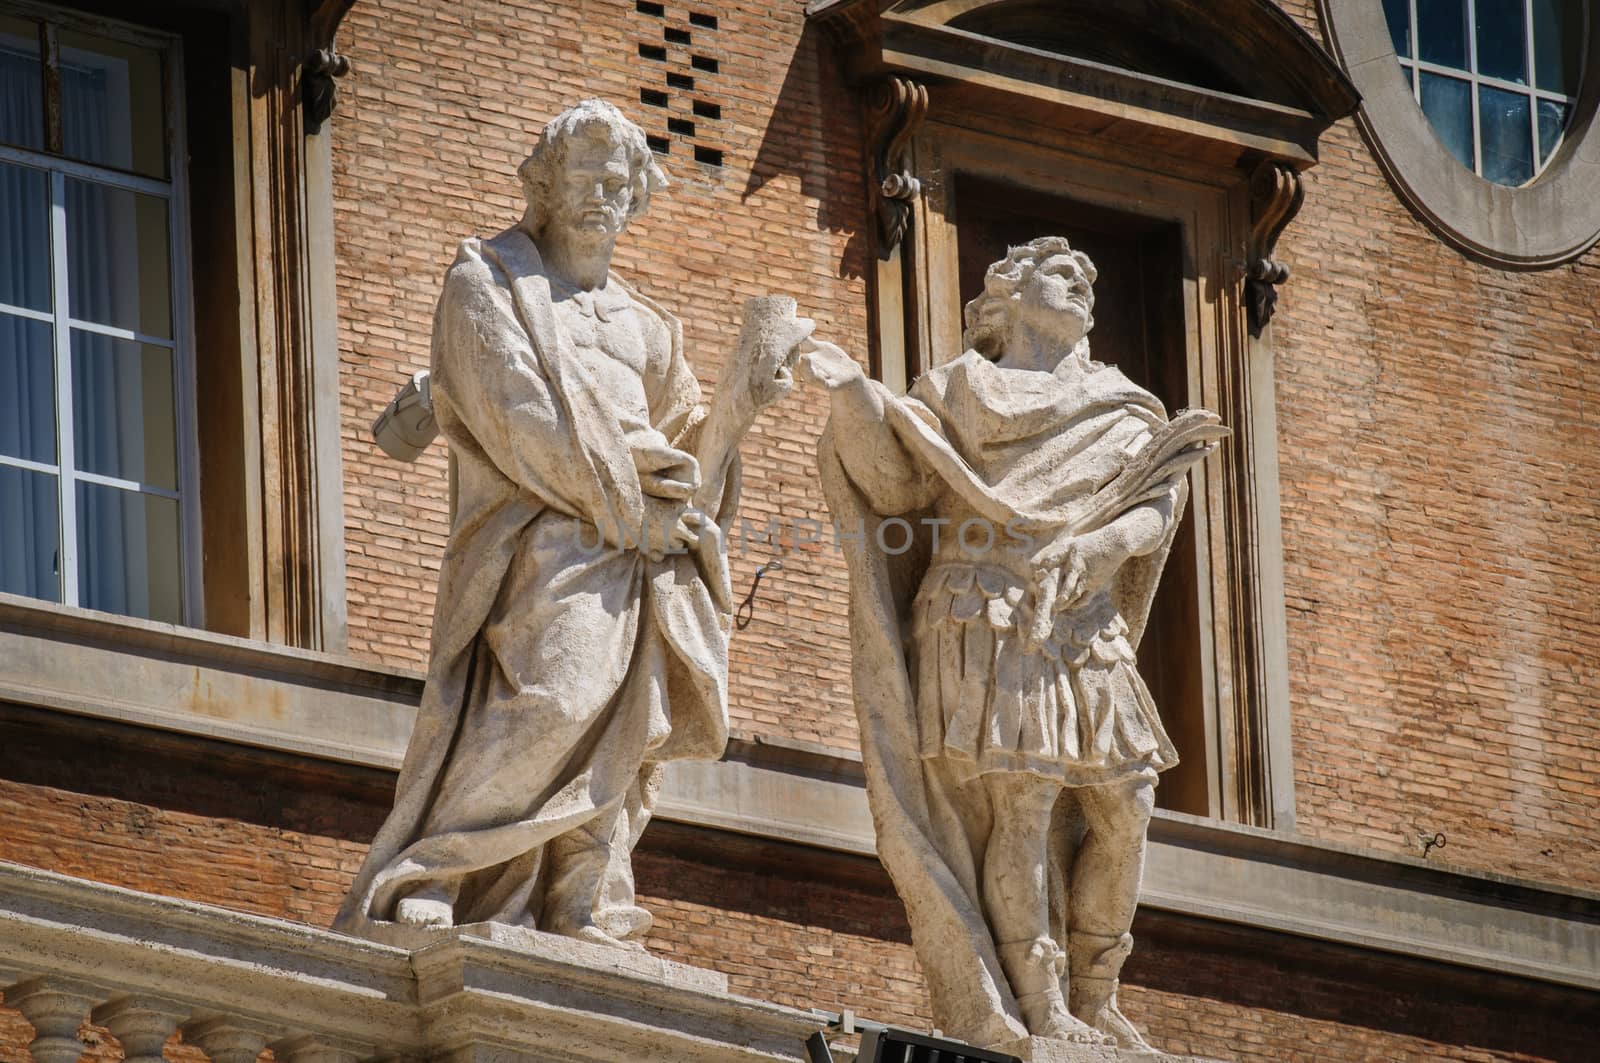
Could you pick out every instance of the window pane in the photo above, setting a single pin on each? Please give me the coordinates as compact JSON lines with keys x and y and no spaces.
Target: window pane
{"x":1507,"y":136}
{"x":1448,"y":104}
{"x":24,"y":236}
{"x":27,"y":390}
{"x":1442,"y":32}
{"x":21,"y":84}
{"x":30,"y":536}
{"x":1552,"y":123}
{"x":128,"y":553}
{"x":117,"y":260}
{"x":1398,"y":14}
{"x":111,"y":104}
{"x":1558,"y":44}
{"x":123,"y":421}
{"x":1502,"y":40}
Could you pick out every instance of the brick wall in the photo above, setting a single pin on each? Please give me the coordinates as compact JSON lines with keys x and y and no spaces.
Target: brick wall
{"x":1440,"y":445}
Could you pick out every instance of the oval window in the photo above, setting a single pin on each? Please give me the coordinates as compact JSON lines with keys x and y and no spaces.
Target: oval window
{"x":1498,"y":79}
{"x":1482,"y":113}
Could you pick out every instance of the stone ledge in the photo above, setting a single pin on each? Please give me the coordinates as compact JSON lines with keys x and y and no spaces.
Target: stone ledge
{"x":1044,"y":1050}
{"x":627,"y":964}
{"x":336,"y":709}
{"x":470,"y":995}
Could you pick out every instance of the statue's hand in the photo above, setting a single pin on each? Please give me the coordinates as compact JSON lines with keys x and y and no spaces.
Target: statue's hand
{"x":827,"y":366}
{"x":670,"y":526}
{"x":773,"y":377}
{"x":1091,"y":562}
{"x":665,"y":471}
{"x":1068,"y":570}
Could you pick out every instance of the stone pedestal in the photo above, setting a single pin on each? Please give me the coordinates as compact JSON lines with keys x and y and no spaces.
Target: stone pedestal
{"x":557,"y":949}
{"x":504,"y":993}
{"x":1044,"y":1050}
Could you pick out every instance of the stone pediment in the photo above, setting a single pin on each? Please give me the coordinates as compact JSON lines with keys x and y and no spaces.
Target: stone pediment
{"x":1239,"y":72}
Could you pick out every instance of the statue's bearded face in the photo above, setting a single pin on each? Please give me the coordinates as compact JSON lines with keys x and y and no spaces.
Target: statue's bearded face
{"x":594,"y":191}
{"x":1057,"y":299}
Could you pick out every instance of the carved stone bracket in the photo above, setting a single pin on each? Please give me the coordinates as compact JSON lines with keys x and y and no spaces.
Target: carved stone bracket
{"x":319,"y":92}
{"x":1275,"y":198}
{"x":895,"y":110}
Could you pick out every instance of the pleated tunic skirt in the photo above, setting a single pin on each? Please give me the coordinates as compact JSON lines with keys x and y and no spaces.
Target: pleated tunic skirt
{"x":1076,"y":710}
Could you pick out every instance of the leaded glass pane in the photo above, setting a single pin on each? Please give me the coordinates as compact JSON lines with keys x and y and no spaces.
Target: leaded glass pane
{"x":1558,"y":45}
{"x":1552,"y":123}
{"x":21,"y":84}
{"x":111,"y":104}
{"x":124,"y":420}
{"x":30,"y":534}
{"x":117,"y":258}
{"x":1448,"y":104}
{"x":128,"y":558}
{"x":24,"y":236}
{"x":1502,"y":40}
{"x":1442,"y":32}
{"x":1398,"y":14}
{"x":1507,"y":136}
{"x":27,"y":390}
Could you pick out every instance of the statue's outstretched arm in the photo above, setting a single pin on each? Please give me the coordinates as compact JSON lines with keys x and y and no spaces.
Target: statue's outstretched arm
{"x":870,"y":451}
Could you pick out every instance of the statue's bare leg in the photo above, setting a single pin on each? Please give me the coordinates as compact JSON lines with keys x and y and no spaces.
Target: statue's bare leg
{"x":1105,"y":893}
{"x":432,"y":904}
{"x":1015,"y":897}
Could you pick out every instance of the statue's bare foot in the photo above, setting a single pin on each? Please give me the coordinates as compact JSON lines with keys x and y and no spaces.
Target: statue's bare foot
{"x":422,"y":910}
{"x":1046,"y":1015}
{"x":1067,"y":1027}
{"x":595,"y":936}
{"x":1108,"y":1019}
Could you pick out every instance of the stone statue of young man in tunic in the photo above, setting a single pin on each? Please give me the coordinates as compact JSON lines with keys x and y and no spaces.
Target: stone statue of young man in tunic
{"x":1010,"y":746}
{"x":581,"y":628}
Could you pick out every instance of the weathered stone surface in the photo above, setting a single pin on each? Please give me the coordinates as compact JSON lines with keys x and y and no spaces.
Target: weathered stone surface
{"x":558,"y":949}
{"x":467,"y":993}
{"x":1016,"y":509}
{"x":581,"y":635}
{"x":1050,"y":1050}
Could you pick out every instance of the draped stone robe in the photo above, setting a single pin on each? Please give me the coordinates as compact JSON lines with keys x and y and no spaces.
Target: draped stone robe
{"x":566,"y":666}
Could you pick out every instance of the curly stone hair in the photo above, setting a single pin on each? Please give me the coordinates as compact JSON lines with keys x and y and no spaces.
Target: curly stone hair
{"x":989,"y":316}
{"x":589,"y":119}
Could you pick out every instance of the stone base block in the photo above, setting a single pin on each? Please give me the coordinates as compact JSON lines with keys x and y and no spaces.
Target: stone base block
{"x":1049,"y":1050}
{"x":557,"y":949}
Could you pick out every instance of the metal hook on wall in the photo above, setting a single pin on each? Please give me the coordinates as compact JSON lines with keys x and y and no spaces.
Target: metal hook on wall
{"x":747,"y":608}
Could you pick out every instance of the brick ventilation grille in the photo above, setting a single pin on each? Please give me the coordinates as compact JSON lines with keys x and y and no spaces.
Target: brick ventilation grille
{"x":677,"y":72}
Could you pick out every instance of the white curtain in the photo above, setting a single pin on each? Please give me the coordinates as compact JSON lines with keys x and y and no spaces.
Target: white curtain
{"x":108,"y":391}
{"x":29,"y":536}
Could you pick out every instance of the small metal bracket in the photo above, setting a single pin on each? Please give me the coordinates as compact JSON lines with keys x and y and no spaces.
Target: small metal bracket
{"x":746,"y":611}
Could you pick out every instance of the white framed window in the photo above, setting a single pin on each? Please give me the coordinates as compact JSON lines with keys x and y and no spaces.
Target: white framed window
{"x":1498,"y":79}
{"x":98,"y":484}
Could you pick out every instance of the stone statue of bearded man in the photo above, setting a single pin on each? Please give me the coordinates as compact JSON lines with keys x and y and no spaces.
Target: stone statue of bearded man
{"x":1010,"y":746}
{"x":581,"y":627}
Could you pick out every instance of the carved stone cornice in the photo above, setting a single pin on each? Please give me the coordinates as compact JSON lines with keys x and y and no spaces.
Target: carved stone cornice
{"x":896,"y":108}
{"x":319,"y":92}
{"x":1275,"y":198}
